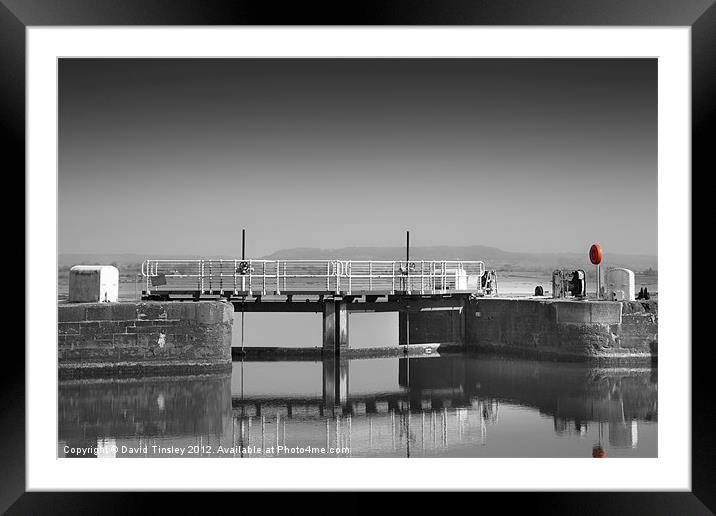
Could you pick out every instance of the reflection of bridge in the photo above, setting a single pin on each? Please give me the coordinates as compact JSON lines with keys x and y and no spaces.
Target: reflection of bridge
{"x":563,"y":390}
{"x":435,"y":404}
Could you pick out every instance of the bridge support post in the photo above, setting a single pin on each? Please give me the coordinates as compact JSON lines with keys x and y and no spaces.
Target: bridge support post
{"x":341,"y":325}
{"x":329,"y":328}
{"x":335,"y":326}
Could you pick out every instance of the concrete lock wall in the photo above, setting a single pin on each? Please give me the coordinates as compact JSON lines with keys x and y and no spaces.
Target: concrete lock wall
{"x":144,"y":337}
{"x":429,"y":327}
{"x":640,"y":326}
{"x":560,"y":328}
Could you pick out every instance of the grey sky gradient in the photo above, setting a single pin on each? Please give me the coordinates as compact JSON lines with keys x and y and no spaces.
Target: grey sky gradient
{"x":175,"y":156}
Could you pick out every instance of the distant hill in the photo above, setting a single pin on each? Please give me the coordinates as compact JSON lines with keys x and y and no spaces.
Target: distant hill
{"x":492,"y":256}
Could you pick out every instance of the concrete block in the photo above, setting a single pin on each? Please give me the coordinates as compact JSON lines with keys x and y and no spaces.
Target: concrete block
{"x":71,"y":313}
{"x":124,"y":340}
{"x":177,"y":339}
{"x":68,"y":328}
{"x":228,"y":313}
{"x":176,"y":310}
{"x":147,"y":340}
{"x":188,"y":311}
{"x":606,"y":312}
{"x":101,"y":344}
{"x":214,"y":313}
{"x":67,"y":355}
{"x":209,"y":313}
{"x":130,"y":353}
{"x":93,"y":283}
{"x":151,"y":311}
{"x":630,"y":307}
{"x":64,"y":342}
{"x":143,"y":330}
{"x":572,"y":312}
{"x":99,"y":312}
{"x":110,"y":327}
{"x":90,"y":329}
{"x":124,"y":311}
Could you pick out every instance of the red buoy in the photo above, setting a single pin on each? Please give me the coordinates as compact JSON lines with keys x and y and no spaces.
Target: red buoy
{"x":595,"y":254}
{"x":598,"y":452}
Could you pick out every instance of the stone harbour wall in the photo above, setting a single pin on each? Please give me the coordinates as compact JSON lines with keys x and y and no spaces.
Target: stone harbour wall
{"x":137,"y":338}
{"x":639,"y":329}
{"x":562,"y":329}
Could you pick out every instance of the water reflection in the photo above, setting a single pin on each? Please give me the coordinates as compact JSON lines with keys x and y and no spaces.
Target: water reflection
{"x":461,"y":406}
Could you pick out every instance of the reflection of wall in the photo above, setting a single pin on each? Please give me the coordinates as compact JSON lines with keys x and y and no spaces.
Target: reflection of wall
{"x":149,"y":407}
{"x":573,"y":391}
{"x":623,"y":434}
{"x":570,"y":391}
{"x":432,"y":373}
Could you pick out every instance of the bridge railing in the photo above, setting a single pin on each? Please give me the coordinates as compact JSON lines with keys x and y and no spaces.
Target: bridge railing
{"x":344,"y":277}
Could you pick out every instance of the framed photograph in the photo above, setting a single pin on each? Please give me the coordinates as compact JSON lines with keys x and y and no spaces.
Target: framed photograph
{"x":398,"y":250}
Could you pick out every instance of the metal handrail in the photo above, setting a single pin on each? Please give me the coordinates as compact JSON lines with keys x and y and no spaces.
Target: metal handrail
{"x":348,"y":277}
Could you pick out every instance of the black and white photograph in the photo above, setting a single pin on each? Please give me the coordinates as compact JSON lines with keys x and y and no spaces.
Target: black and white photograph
{"x":366,"y":257}
{"x":412,"y":248}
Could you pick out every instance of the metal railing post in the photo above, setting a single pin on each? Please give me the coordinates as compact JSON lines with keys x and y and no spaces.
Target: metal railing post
{"x":392,"y":290}
{"x":235,"y":289}
{"x":422,"y":277}
{"x":278,"y":277}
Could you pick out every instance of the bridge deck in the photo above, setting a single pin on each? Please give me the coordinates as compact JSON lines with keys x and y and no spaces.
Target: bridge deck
{"x":242,"y":278}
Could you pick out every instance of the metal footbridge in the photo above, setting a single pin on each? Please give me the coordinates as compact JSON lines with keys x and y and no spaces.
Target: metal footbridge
{"x":256,"y":278}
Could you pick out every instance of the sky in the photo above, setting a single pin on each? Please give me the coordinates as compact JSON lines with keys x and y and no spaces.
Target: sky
{"x":176,"y":156}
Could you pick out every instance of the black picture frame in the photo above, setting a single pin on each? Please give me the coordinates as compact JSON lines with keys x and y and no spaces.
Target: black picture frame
{"x":17,"y":15}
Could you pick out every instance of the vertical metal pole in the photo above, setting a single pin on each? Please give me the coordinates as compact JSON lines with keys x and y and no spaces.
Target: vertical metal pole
{"x":407,"y":246}
{"x":599,"y":282}
{"x":407,"y":261}
{"x":243,"y":244}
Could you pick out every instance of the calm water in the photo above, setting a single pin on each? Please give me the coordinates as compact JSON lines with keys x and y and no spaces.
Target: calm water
{"x":439,"y":406}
